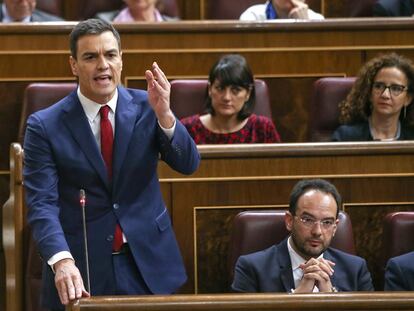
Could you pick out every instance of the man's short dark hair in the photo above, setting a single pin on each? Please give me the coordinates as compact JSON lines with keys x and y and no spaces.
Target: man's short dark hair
{"x":313,"y":184}
{"x":90,"y":27}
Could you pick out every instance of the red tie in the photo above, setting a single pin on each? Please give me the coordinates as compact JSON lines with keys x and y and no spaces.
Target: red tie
{"x":107,"y":139}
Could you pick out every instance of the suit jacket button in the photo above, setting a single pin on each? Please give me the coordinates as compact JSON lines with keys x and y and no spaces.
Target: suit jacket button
{"x":110,"y":238}
{"x":116,"y":206}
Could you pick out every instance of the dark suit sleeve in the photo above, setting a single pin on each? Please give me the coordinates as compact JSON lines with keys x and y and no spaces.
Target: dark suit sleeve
{"x":41,"y":187}
{"x":245,"y":280}
{"x":379,"y":10}
{"x":181,"y":152}
{"x":394,"y":277}
{"x":336,"y":136}
{"x":364,"y":278}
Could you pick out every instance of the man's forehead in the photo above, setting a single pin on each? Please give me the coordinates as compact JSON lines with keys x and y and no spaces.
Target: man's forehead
{"x":316,"y":199}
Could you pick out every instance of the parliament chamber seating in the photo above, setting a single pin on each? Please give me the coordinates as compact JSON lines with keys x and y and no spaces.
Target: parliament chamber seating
{"x":398,"y":234}
{"x":324,"y":110}
{"x":88,"y":9}
{"x":54,"y":7}
{"x":257,"y":230}
{"x":358,"y":8}
{"x":188,"y":97}
{"x":38,"y":96}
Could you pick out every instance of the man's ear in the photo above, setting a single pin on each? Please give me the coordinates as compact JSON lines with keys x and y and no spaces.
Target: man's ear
{"x":73,"y":65}
{"x":289,"y":221}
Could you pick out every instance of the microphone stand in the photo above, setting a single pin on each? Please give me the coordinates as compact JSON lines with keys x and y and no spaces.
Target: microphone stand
{"x":82,"y":201}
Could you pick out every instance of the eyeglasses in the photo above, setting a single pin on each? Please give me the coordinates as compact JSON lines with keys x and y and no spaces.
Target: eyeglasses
{"x":309,"y":222}
{"x":395,"y":89}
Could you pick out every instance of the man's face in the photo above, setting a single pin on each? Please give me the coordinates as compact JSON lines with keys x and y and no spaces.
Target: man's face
{"x":19,"y":9}
{"x":314,"y":225}
{"x":98,"y":66}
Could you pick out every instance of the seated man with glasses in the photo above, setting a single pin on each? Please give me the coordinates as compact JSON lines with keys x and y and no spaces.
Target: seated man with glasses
{"x":379,"y":104}
{"x":304,"y":262}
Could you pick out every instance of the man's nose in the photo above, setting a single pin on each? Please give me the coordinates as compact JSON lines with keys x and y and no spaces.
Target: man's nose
{"x":102,"y":62}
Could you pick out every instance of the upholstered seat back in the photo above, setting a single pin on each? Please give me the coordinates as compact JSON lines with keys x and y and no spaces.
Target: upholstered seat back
{"x":188,"y":97}
{"x":324,"y":110}
{"x":38,"y":96}
{"x":398,"y":234}
{"x":257,"y":230}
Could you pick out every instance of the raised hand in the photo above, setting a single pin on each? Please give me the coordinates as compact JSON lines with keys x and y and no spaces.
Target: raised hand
{"x":159,"y":90}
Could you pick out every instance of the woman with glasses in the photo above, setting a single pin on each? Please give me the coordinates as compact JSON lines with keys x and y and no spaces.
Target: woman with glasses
{"x":378,"y":106}
{"x":230,"y":100}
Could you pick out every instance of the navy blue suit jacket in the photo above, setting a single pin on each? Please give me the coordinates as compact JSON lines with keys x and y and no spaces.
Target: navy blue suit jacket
{"x":399,"y":273}
{"x":394,"y":8}
{"x":270,"y":270}
{"x":62,"y":157}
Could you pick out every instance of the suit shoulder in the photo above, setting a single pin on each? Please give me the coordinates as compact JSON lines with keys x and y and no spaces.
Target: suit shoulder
{"x":404,"y":259}
{"x":343,"y":256}
{"x":260,"y":256}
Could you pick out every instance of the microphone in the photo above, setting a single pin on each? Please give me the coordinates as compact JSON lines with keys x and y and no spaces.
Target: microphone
{"x":82,"y":202}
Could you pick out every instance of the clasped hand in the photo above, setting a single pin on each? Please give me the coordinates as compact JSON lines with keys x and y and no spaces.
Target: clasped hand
{"x":316,"y":272}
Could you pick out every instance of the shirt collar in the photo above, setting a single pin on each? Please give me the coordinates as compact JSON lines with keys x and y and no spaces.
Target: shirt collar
{"x":92,"y":108}
{"x":8,"y":19}
{"x":296,"y":259}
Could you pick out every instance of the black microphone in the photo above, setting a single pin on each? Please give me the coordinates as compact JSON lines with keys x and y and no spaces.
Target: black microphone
{"x":82,"y":202}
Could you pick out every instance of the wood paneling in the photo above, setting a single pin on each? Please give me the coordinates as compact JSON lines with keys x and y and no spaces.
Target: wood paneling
{"x":254,"y":302}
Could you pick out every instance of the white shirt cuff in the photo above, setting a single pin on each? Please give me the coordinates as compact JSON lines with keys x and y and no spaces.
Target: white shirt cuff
{"x":59,"y":256}
{"x":169,"y":132}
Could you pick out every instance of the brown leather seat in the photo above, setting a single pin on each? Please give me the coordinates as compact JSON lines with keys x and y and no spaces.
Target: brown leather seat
{"x":54,"y":7}
{"x":398,"y":234}
{"x":324,"y":110}
{"x":257,"y":230}
{"x":358,"y":8}
{"x":37,"y":96}
{"x":188,"y":97}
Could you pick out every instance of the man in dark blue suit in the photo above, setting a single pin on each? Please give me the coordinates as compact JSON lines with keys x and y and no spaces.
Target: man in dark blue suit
{"x":399,"y":273}
{"x":63,"y":146}
{"x":394,"y":8}
{"x":24,"y":11}
{"x":304,"y":262}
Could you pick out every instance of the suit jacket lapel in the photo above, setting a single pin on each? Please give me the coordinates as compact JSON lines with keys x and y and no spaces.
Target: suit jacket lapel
{"x":78,"y":124}
{"x":286,"y":274}
{"x":125,"y":118}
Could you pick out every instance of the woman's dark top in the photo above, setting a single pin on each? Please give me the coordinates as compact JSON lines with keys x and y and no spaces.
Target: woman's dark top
{"x":361,"y":132}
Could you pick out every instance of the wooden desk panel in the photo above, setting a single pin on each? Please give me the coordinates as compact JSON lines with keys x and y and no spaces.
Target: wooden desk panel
{"x":256,"y":302}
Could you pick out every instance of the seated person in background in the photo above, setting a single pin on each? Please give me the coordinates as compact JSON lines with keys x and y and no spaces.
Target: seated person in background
{"x":378,"y":105}
{"x":279,"y":9}
{"x":399,"y":273}
{"x":394,"y":8}
{"x":24,"y":11}
{"x":135,"y":11}
{"x":230,"y":101}
{"x":304,"y":262}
